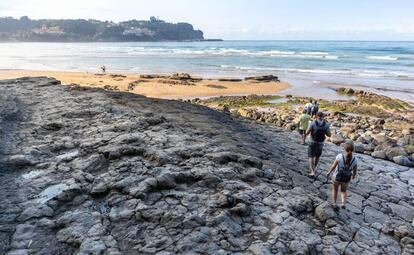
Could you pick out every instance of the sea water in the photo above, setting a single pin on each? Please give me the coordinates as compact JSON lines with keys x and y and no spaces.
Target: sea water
{"x":312,"y":67}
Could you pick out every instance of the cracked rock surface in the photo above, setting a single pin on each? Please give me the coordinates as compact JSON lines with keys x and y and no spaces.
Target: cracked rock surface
{"x":88,"y":171}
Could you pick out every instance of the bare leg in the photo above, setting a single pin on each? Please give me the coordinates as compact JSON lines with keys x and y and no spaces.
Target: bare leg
{"x":316,"y":163}
{"x":334,"y":193}
{"x":312,"y":166}
{"x":343,"y":193}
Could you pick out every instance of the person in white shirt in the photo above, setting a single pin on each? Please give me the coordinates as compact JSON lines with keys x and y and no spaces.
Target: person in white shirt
{"x":308,"y":107}
{"x":343,"y":170}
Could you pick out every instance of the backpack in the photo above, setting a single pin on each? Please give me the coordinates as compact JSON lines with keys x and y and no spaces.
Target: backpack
{"x":315,"y":108}
{"x":345,"y":173}
{"x":319,"y":132}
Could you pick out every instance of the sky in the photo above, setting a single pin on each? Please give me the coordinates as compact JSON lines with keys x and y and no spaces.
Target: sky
{"x":245,"y":19}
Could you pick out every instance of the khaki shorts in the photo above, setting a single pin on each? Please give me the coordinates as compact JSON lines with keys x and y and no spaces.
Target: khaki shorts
{"x":342,"y":184}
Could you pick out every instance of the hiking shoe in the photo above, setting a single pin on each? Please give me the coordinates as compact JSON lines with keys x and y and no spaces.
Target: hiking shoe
{"x":343,"y":206}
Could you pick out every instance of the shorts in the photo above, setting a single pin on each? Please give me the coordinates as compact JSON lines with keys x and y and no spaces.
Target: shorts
{"x":343,"y":184}
{"x":301,"y":132}
{"x":315,"y":150}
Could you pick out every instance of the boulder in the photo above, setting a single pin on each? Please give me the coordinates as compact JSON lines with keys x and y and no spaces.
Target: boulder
{"x":379,"y":154}
{"x":230,"y":79}
{"x":395,"y":152}
{"x":264,"y":78}
{"x":408,"y":131}
{"x":337,"y":139}
{"x":94,"y":163}
{"x":403,"y":161}
{"x":324,"y":212}
{"x":403,"y":141}
{"x":380,"y":138}
{"x":359,"y":147}
{"x":409,"y":149}
{"x":37,"y":211}
{"x":21,"y":160}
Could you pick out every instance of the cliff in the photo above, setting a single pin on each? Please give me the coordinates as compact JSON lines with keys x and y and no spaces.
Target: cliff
{"x":88,"y":171}
{"x":46,"y":30}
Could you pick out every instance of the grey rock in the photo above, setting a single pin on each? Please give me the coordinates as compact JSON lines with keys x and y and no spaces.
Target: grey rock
{"x":337,"y":139}
{"x":379,"y":154}
{"x":406,"y":213}
{"x":68,"y":156}
{"x":93,"y":163}
{"x":21,"y":160}
{"x":395,"y":152}
{"x":403,"y":160}
{"x":324,"y":212}
{"x":156,"y":176}
{"x":37,"y":211}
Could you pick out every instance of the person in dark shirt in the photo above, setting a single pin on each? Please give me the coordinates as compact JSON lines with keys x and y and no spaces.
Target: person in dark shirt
{"x":318,"y":130}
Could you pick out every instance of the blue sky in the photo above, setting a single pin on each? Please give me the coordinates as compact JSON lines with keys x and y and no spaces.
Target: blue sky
{"x":245,"y":19}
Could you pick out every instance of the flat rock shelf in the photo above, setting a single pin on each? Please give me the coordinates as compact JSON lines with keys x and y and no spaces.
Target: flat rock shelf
{"x":89,"y":171}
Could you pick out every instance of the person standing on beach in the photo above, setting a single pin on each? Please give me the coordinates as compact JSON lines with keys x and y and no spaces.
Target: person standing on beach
{"x":303,"y":125}
{"x":344,"y":169}
{"x":319,"y":130}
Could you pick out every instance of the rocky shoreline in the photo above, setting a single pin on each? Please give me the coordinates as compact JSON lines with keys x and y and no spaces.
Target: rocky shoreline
{"x":89,"y":171}
{"x":382,"y":132}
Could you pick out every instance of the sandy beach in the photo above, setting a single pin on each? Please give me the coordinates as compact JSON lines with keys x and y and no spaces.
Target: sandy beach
{"x":162,"y":87}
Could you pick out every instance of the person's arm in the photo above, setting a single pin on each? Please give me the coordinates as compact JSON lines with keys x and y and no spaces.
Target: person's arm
{"x":308,"y":131}
{"x":333,"y":167}
{"x":328,"y":132}
{"x":354,"y":172}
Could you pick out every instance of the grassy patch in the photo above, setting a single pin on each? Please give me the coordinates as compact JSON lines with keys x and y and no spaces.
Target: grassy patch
{"x":242,"y":101}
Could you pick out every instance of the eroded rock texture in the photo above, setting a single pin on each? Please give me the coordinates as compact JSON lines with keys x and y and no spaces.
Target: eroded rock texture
{"x":87,"y":171}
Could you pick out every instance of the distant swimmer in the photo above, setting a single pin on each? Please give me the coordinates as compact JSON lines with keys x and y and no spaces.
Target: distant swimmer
{"x":344,"y":170}
{"x":103,"y":68}
{"x":319,"y":130}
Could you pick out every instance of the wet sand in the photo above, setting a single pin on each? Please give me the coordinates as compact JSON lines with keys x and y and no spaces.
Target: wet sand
{"x":156,"y":87}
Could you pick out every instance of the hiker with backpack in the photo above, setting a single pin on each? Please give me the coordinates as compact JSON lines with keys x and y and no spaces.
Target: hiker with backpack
{"x":319,"y":130}
{"x":344,"y":169}
{"x":315,"y":108}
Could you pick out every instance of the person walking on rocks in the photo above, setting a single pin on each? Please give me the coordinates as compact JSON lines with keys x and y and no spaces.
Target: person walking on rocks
{"x":344,"y":169}
{"x":303,"y":125}
{"x":318,"y":130}
{"x":315,"y":109}
{"x":308,"y":107}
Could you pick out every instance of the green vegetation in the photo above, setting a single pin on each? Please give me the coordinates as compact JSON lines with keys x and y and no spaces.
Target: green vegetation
{"x":25,"y":29}
{"x":376,"y":106}
{"x":242,"y":101}
{"x":409,"y":149}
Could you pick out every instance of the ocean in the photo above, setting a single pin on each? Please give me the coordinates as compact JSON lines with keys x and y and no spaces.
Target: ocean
{"x":312,"y":67}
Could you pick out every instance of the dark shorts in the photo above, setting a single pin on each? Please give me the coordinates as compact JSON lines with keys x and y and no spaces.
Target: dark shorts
{"x":301,"y":132}
{"x":315,"y":150}
{"x":342,"y":184}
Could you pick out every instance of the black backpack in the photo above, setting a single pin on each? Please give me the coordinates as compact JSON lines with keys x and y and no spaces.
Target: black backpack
{"x":319,"y":132}
{"x":345,"y":173}
{"x":315,"y":108}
